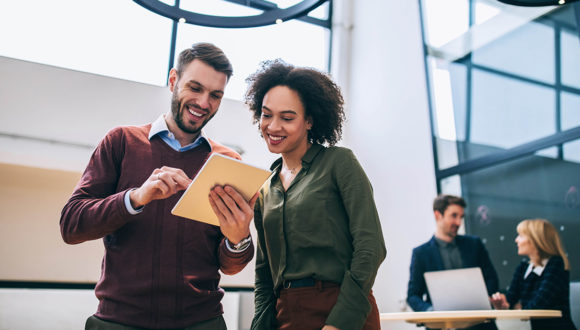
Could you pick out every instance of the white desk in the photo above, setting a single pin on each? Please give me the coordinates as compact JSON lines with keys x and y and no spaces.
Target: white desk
{"x":464,"y":319}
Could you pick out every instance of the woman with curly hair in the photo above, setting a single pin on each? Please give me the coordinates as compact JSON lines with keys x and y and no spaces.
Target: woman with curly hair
{"x":543,"y":281}
{"x":320,"y":241}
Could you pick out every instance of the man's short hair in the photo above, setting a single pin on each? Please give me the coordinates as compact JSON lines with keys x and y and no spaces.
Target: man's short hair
{"x":207,"y":53}
{"x":442,"y":202}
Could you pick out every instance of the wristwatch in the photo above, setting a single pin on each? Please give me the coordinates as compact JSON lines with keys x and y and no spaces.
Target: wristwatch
{"x":243,"y":244}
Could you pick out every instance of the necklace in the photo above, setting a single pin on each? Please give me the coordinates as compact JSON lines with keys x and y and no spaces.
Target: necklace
{"x":292,"y":170}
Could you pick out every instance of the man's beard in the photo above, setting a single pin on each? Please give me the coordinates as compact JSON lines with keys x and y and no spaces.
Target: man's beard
{"x":453,"y":232}
{"x":178,"y":116}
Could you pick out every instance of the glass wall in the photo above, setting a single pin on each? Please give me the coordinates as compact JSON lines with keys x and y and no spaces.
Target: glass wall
{"x":113,"y":38}
{"x":124,"y":40}
{"x":504,"y":87}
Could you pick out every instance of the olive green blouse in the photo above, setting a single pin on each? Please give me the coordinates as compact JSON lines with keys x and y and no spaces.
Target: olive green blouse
{"x":324,"y":226}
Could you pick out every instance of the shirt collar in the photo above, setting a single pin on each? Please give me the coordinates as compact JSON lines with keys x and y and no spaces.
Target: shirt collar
{"x":159,"y":127}
{"x":306,"y":159}
{"x":444,"y":244}
{"x":538,"y":270}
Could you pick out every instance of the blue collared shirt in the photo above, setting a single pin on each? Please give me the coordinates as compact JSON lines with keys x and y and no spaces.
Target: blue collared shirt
{"x":159,"y":127}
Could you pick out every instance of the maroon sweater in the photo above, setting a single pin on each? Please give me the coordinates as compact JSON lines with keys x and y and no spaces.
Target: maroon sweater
{"x":159,"y":270}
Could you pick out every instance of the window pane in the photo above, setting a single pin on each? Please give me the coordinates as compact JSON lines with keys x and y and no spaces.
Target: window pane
{"x":485,"y":10}
{"x":570,"y":119}
{"x":108,"y":37}
{"x":572,"y":151}
{"x":548,"y":152}
{"x":217,"y":8}
{"x":570,"y":59}
{"x":451,"y":185}
{"x":527,"y":51}
{"x":508,"y":112}
{"x":444,"y":20}
{"x":285,"y":3}
{"x":570,"y":104}
{"x":499,"y":197}
{"x":448,"y":83}
{"x":320,"y":12}
{"x":295,"y":42}
{"x":447,"y":153}
{"x":226,"y":8}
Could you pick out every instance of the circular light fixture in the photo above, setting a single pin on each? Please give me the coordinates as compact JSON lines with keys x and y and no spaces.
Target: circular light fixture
{"x":537,"y":3}
{"x":267,"y":17}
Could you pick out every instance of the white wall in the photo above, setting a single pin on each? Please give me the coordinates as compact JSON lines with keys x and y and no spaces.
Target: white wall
{"x":50,"y":120}
{"x":61,"y":105}
{"x":388,"y":129}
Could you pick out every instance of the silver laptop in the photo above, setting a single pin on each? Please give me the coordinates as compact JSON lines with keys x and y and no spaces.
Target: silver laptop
{"x":457,"y":289}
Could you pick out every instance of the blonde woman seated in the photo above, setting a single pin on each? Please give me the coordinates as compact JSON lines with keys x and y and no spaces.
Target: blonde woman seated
{"x":543,"y":282}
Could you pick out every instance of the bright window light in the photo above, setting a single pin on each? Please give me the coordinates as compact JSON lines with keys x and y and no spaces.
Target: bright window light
{"x":484,"y":11}
{"x":246,"y":48}
{"x":444,"y":112}
{"x":122,"y":39}
{"x":445,"y":20}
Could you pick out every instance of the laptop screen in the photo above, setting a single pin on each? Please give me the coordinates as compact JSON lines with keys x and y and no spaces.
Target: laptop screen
{"x":457,"y":289}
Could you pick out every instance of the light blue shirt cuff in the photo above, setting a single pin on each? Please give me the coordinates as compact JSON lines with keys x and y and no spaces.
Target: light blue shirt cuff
{"x":129,"y":206}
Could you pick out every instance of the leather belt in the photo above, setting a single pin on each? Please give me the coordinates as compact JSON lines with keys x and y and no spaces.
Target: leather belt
{"x":300,"y":283}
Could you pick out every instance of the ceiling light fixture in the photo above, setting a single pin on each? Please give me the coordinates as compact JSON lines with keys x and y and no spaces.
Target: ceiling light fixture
{"x":267,"y":17}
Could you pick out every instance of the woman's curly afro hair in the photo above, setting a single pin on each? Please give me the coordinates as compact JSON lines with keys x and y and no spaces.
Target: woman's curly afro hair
{"x":320,"y":96}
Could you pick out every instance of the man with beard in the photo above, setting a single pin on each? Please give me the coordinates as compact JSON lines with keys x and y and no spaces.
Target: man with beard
{"x":447,"y":250}
{"x":161,"y":271}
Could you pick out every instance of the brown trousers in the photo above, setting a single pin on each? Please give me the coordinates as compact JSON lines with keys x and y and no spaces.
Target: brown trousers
{"x":307,"y":308}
